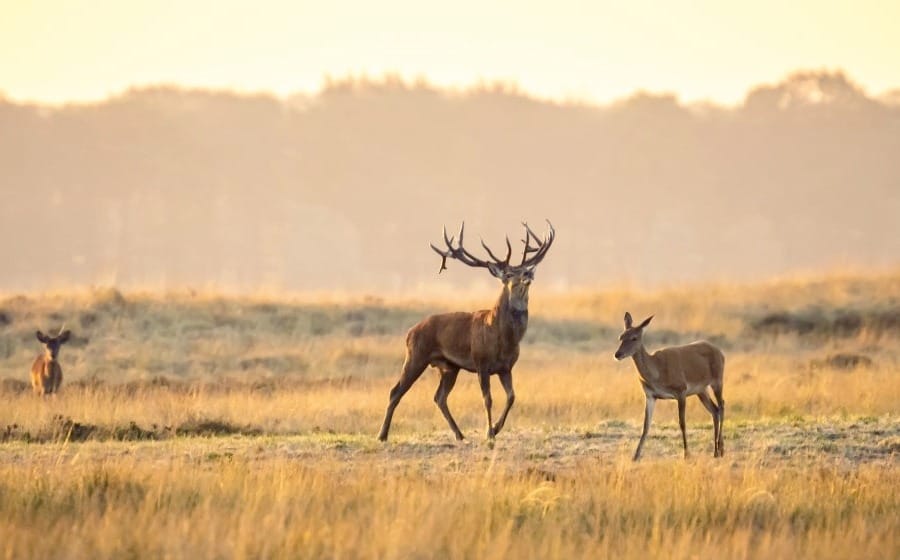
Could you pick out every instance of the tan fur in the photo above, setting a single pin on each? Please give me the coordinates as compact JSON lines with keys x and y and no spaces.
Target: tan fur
{"x":46,"y":375}
{"x":485,"y":342}
{"x":676,"y":373}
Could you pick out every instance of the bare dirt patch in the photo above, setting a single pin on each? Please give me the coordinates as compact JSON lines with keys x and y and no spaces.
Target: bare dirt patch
{"x":545,"y":453}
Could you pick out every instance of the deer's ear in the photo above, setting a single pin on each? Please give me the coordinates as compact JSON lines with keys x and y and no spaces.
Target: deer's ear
{"x":646,"y":322}
{"x":41,"y":337}
{"x":64,"y":336}
{"x":628,"y":320}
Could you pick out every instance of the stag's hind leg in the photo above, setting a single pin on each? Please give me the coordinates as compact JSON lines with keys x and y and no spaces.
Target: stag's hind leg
{"x":714,"y":411}
{"x":484,"y":379}
{"x":448,"y":380}
{"x":412,"y":369}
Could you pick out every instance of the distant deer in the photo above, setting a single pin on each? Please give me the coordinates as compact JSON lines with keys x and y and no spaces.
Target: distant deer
{"x":46,"y":373}
{"x":485,"y":342}
{"x":676,"y":373}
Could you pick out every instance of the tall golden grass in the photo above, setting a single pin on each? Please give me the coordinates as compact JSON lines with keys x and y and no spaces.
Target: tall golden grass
{"x":196,"y":500}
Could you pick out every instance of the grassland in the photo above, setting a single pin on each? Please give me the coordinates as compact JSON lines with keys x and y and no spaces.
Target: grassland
{"x":243,"y":427}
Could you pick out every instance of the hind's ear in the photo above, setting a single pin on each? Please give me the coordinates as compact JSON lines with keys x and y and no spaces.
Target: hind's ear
{"x":646,"y":322}
{"x":42,"y":337}
{"x":64,"y":336}
{"x":628,"y":320}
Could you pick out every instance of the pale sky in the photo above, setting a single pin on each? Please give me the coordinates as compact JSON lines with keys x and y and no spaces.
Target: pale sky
{"x":68,"y":50}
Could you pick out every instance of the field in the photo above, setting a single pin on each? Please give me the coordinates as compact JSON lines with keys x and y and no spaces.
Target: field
{"x":215,"y":426}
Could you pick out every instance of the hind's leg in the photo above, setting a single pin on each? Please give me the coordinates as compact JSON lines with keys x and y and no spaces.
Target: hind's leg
{"x":714,"y":411}
{"x":448,"y":380}
{"x":648,"y":417}
{"x":682,"y":404}
{"x":412,"y":369}
{"x":717,"y":391}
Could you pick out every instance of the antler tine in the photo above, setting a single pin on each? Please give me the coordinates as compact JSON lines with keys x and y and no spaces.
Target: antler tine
{"x":530,"y":233}
{"x":447,"y":240}
{"x":527,"y":241}
{"x":491,"y":254}
{"x":527,"y":250}
{"x":541,"y":249}
{"x":443,"y":255}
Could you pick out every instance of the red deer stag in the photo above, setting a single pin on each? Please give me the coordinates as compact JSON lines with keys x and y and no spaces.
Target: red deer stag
{"x":485,"y":342}
{"x":46,"y":373}
{"x":676,"y":373}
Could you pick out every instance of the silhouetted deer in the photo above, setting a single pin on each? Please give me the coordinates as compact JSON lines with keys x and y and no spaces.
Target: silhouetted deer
{"x":484,"y":342}
{"x":46,"y":373}
{"x":676,"y":373}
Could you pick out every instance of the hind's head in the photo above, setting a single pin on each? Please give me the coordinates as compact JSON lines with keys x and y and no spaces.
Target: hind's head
{"x":53,"y":343}
{"x":632,"y":338}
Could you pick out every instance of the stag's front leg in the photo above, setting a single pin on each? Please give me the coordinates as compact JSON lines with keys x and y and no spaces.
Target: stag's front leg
{"x":506,"y":381}
{"x":484,"y":380}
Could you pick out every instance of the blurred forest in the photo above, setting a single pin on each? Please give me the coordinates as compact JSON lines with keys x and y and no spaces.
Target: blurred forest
{"x":167,"y":187}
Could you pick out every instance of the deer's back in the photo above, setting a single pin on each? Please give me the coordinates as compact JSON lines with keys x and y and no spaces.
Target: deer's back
{"x":698,"y":361}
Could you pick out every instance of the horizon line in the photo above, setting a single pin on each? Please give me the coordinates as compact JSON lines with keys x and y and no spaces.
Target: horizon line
{"x":420,"y":81}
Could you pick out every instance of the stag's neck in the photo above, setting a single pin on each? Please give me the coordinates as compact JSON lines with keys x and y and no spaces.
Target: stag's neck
{"x":511,"y":316}
{"x":48,"y":357}
{"x":646,"y":365}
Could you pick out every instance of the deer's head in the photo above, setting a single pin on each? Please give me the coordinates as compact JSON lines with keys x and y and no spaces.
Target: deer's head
{"x":516,"y":278}
{"x":52,"y":343}
{"x":632,"y":339}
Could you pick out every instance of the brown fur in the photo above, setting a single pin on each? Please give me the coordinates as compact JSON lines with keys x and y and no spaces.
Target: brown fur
{"x":676,"y":373}
{"x":46,"y":373}
{"x":485,"y":342}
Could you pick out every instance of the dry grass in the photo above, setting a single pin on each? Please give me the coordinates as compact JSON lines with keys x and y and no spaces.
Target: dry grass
{"x":287,"y":498}
{"x":140,"y":454}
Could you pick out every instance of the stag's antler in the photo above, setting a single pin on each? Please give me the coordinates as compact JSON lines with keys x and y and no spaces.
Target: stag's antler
{"x":542,"y":245}
{"x":461,"y":254}
{"x":497,"y":266}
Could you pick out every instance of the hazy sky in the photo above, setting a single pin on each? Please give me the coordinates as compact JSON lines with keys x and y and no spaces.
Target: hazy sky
{"x":62,"y":50}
